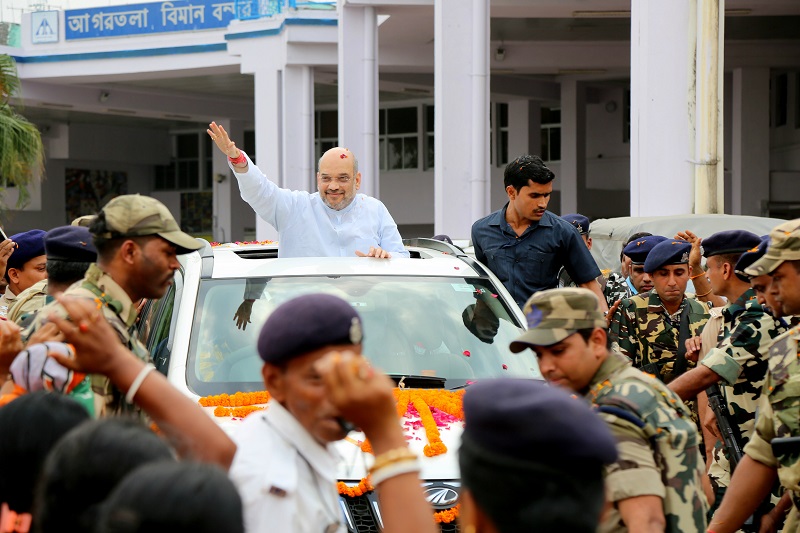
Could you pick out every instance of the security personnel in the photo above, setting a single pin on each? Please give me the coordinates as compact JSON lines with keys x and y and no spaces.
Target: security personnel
{"x":137,"y":242}
{"x":503,"y":455}
{"x":652,"y":328}
{"x":524,"y":244}
{"x":778,"y":405}
{"x":26,"y":266}
{"x":69,"y":252}
{"x":657,"y":482}
{"x":283,"y":466}
{"x":620,"y":284}
{"x":583,"y":226}
{"x":738,"y":361}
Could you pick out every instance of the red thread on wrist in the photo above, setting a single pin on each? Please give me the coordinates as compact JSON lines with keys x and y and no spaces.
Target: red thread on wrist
{"x":239,"y":160}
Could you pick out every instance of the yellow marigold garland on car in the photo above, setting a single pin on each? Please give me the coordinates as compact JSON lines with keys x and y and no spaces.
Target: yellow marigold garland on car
{"x":241,"y":404}
{"x":446,"y":516}
{"x":363,"y":487}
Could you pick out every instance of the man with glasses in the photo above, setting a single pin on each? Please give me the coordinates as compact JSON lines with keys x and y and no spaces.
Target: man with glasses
{"x":335,"y":221}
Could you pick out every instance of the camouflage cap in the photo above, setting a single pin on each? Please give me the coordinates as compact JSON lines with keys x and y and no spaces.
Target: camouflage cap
{"x":784,"y":245}
{"x":133,"y":215}
{"x":85,"y":221}
{"x":555,"y":314}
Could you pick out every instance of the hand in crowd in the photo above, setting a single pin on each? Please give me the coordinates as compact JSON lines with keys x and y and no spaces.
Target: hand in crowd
{"x":693,"y":346}
{"x":48,"y":332}
{"x":611,"y":312}
{"x":221,"y":139}
{"x":10,"y":344}
{"x":242,"y":314}
{"x":375,"y":251}
{"x":696,"y":255}
{"x":93,"y":337}
{"x":362,"y":395}
{"x":6,"y":249}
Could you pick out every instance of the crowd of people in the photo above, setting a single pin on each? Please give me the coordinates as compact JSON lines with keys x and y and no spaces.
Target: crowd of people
{"x":660,"y":409}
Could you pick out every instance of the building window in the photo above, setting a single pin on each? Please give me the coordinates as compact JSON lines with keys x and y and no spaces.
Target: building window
{"x":626,"y":116}
{"x":326,"y":132}
{"x":781,"y":110}
{"x":190,"y":168}
{"x":399,"y":138}
{"x":427,"y":115}
{"x":502,"y":134}
{"x":551,"y":134}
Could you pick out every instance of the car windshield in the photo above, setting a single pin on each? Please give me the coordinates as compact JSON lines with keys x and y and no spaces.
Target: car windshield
{"x":452,"y":328}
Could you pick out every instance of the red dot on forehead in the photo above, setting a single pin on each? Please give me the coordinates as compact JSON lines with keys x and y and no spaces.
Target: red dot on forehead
{"x":343,"y":156}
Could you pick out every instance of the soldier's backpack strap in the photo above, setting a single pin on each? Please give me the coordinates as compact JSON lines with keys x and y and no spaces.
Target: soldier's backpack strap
{"x":621,"y":413}
{"x":683,"y":335}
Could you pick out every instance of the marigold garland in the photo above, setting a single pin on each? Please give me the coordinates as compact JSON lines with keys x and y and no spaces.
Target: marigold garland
{"x":363,"y":487}
{"x":240,"y":399}
{"x":238,"y":412}
{"x":435,"y":445}
{"x":366,"y":447}
{"x":446,"y":516}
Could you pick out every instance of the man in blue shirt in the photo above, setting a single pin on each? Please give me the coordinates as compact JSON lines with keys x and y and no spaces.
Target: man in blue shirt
{"x":335,"y":221}
{"x":524,"y":244}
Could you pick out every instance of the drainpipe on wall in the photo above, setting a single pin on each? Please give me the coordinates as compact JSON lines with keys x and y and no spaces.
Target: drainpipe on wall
{"x":709,"y":68}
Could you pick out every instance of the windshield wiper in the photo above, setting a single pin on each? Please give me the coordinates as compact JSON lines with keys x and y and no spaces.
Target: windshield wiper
{"x":411,"y":381}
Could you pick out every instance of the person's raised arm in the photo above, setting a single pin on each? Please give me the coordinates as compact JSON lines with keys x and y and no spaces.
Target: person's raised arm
{"x":227,"y":147}
{"x":98,"y":351}
{"x":365,"y":398}
{"x":702,"y":287}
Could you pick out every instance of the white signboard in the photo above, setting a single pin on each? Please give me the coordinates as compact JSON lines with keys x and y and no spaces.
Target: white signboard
{"x":44,"y":27}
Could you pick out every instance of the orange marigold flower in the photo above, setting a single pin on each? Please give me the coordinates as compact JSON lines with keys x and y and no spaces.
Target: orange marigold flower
{"x":446,"y":516}
{"x":366,"y":447}
{"x":363,"y":487}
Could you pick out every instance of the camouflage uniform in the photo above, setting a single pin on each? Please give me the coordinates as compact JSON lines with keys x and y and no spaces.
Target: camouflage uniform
{"x":642,"y":330}
{"x":740,"y":360}
{"x":28,"y":301}
{"x":779,"y":416}
{"x":616,"y":288}
{"x":118,"y":310}
{"x":658,"y":445}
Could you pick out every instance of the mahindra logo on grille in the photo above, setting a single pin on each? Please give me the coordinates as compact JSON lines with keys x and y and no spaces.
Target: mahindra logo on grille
{"x":441,"y":496}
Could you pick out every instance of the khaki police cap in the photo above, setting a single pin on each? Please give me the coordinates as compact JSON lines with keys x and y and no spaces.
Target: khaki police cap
{"x":555,"y":314}
{"x":83,"y":221}
{"x":133,"y":215}
{"x":784,"y":245}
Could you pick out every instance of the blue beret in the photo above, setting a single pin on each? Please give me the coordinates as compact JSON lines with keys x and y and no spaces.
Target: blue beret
{"x":730,"y":242}
{"x":308,"y":323}
{"x":30,"y":244}
{"x":530,"y":421}
{"x":580,"y":222}
{"x":637,"y":250}
{"x":751,"y":256}
{"x":667,"y":252}
{"x":70,"y":243}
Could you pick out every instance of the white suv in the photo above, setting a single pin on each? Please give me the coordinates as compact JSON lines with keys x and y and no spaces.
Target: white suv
{"x":439,"y":320}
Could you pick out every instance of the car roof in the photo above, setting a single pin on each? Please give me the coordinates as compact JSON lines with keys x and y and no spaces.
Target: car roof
{"x":237,"y":260}
{"x":609,"y":234}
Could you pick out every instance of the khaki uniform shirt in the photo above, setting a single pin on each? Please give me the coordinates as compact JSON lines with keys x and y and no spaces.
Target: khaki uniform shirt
{"x":657,"y":442}
{"x":118,"y":310}
{"x":740,"y":360}
{"x":779,"y":416}
{"x":6,"y":301}
{"x":28,"y":301}
{"x":642,"y":329}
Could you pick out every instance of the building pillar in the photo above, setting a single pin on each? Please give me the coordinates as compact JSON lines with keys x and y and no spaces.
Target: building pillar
{"x":750,"y":143}
{"x":663,"y":37}
{"x":573,"y":144}
{"x":358,"y":90}
{"x":298,"y":129}
{"x":269,"y":130}
{"x":461,"y":121}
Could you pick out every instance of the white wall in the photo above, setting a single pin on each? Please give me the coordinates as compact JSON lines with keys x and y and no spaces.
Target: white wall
{"x":607,"y":156}
{"x":784,"y":161}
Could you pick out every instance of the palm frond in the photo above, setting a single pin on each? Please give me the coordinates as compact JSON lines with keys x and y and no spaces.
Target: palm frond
{"x":9,"y":81}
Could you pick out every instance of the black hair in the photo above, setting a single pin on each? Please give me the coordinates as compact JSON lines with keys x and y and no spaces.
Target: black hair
{"x":107,"y":246}
{"x":586,"y":333}
{"x":632,"y":238}
{"x":180,"y":497}
{"x":534,"y":497}
{"x":85,"y":466}
{"x":60,"y":271}
{"x":527,"y":168}
{"x":731,"y":259}
{"x":30,"y":426}
{"x":796,"y":263}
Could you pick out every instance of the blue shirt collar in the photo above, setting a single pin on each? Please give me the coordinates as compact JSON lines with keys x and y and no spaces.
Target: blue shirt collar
{"x":498,"y":218}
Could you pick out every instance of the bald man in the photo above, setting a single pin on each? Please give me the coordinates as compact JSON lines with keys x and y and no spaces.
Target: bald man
{"x":334,"y":221}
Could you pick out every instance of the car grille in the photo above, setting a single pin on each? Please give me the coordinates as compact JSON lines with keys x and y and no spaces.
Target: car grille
{"x":363,"y":516}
